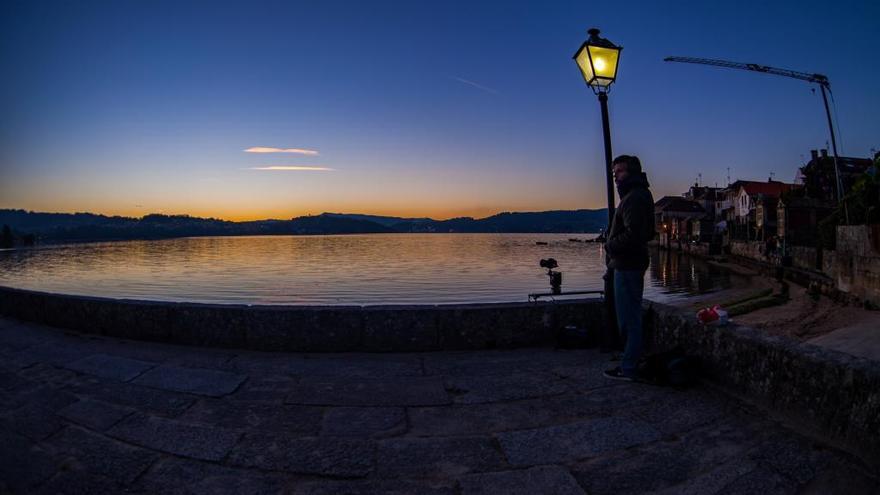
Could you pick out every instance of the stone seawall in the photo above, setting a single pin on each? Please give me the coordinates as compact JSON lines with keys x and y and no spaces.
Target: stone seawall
{"x":308,"y":328}
{"x":835,"y":395}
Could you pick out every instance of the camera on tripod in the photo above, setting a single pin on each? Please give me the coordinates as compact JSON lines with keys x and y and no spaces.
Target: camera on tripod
{"x":555,"y":277}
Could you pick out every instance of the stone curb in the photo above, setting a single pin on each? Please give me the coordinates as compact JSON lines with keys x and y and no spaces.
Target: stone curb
{"x":831,"y":393}
{"x":307,"y":328}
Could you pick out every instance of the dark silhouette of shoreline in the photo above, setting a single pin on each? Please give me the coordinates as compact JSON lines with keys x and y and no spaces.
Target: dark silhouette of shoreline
{"x":73,"y":227}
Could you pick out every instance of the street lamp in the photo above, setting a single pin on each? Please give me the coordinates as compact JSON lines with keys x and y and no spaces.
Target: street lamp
{"x":597,"y":60}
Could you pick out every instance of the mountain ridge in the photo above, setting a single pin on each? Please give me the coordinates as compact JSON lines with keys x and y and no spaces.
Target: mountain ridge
{"x":82,"y":226}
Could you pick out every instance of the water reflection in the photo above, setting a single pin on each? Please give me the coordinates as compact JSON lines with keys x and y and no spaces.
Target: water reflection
{"x":354,"y":269}
{"x":678,"y":273}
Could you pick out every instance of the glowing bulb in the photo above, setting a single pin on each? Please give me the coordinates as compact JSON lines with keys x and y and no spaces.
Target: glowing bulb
{"x":599,"y":64}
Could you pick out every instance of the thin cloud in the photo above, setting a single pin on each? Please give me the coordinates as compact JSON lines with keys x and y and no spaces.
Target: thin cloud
{"x":265,"y":149}
{"x":476,"y":85}
{"x":292,"y":168}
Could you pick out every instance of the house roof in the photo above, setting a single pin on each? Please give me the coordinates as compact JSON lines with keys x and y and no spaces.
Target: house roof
{"x":665,"y":200}
{"x":846,"y":164}
{"x":678,"y":205}
{"x":773,"y":189}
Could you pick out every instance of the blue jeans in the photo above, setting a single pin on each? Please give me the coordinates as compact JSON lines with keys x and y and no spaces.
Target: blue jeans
{"x":628,"y":288}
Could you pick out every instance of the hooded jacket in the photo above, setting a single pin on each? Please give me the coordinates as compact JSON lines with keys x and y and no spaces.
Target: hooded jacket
{"x":632,"y":226}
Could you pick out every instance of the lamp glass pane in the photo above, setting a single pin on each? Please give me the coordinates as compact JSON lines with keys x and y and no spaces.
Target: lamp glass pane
{"x":604,"y":64}
{"x":583,"y":61}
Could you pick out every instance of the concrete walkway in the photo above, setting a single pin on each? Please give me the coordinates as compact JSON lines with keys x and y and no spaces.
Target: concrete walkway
{"x":82,"y":414}
{"x":860,"y":339}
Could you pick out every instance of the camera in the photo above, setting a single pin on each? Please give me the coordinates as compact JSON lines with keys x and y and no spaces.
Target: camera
{"x":549,"y":263}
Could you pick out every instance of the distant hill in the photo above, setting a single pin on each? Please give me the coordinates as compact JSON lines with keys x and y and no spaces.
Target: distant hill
{"x":56,"y":227}
{"x":559,"y":221}
{"x":386,"y":221}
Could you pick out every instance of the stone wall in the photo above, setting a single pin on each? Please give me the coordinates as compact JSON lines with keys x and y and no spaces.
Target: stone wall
{"x":304,"y":328}
{"x":853,"y":268}
{"x":857,"y":264}
{"x":803,"y":257}
{"x":748,"y":249}
{"x":695,"y":248}
{"x":832,"y":394}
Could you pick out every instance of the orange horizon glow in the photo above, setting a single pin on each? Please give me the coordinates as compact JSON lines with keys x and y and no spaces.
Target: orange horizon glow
{"x":289,"y":213}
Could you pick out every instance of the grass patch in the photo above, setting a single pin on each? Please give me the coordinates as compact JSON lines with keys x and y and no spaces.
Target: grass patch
{"x":756,"y":304}
{"x":733,"y":302}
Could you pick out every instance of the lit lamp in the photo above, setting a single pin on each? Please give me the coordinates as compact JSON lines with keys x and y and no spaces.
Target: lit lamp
{"x":597,"y":60}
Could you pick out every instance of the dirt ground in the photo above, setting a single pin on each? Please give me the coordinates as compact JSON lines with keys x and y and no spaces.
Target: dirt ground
{"x":802,"y":317}
{"x":805,"y":318}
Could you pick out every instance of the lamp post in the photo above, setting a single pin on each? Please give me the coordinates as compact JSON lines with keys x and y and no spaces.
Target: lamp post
{"x":597,"y":60}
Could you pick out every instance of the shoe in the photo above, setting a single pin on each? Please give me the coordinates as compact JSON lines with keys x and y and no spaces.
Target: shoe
{"x":617,"y":374}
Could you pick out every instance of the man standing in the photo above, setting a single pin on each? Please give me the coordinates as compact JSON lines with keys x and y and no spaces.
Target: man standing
{"x":626,"y":249}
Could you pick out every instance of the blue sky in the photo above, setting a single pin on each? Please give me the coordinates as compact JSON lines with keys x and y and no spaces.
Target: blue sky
{"x":418,"y":108}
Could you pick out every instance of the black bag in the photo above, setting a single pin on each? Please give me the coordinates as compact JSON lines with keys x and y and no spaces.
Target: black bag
{"x":572,"y":337}
{"x":671,"y":368}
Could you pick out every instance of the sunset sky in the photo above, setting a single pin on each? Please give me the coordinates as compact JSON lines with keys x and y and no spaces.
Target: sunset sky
{"x":251,"y":110}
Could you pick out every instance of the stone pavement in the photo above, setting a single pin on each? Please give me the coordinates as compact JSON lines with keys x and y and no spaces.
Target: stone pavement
{"x":84,"y":414}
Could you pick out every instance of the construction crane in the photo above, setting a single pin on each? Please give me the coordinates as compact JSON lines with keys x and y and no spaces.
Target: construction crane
{"x":821,"y":80}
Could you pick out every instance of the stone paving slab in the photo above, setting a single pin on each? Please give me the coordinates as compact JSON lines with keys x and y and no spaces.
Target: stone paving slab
{"x":15,"y":336}
{"x":470,"y":419}
{"x":672,"y":461}
{"x":58,"y":354}
{"x":364,"y":421}
{"x":95,"y":414}
{"x":15,"y":360}
{"x":265,"y":388}
{"x":175,"y":475}
{"x":12,"y":381}
{"x":79,"y":481}
{"x":499,"y":388}
{"x":212,"y":383}
{"x":542,"y":479}
{"x":45,"y":396}
{"x":23,"y":464}
{"x":144,"y":399}
{"x":31,"y":421}
{"x":95,"y":453}
{"x":242,"y":415}
{"x":384,"y":487}
{"x":354,"y":365}
{"x":714,"y":481}
{"x":437,"y":457}
{"x":336,"y":457}
{"x":676,"y":411}
{"x":586,"y":376}
{"x":503,"y":362}
{"x":113,"y":367}
{"x":175,"y":437}
{"x":529,"y":421}
{"x":575,"y":441}
{"x":54,"y":376}
{"x":415,"y":391}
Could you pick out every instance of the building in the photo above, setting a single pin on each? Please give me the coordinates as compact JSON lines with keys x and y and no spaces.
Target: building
{"x":674,"y":217}
{"x":798,"y":220}
{"x":707,"y":197}
{"x":820,"y":177}
{"x":766,"y":215}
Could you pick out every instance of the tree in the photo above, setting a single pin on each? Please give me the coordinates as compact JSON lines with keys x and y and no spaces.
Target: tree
{"x":862,"y":203}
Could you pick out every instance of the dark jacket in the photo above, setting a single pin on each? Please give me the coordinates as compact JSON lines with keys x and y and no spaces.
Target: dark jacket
{"x":633,"y":225}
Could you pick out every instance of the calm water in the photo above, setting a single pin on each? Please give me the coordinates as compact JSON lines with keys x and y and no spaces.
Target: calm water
{"x":349,"y":269}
